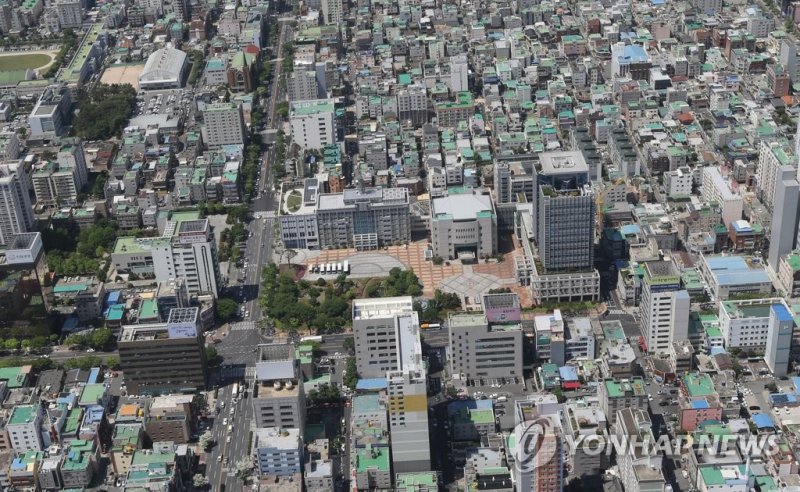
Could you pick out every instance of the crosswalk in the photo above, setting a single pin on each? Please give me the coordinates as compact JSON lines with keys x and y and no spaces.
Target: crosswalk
{"x":617,"y":311}
{"x":244,"y":326}
{"x":249,"y":372}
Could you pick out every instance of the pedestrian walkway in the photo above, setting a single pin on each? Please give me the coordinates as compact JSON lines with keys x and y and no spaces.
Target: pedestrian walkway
{"x":243,"y":326}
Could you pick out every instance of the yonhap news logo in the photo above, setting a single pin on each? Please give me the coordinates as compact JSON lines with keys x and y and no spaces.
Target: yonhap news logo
{"x":536,"y":444}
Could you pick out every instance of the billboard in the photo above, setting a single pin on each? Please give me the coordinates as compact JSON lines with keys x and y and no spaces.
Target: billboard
{"x":508,"y":314}
{"x":182,"y":330}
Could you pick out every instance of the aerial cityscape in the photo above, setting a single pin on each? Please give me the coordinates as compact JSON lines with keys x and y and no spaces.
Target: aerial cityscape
{"x":411,"y":246}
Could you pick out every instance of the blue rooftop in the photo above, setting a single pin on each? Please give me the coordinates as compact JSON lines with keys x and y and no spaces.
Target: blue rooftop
{"x":634,"y":53}
{"x":568,"y":373}
{"x":717,"y":350}
{"x":763,"y":420}
{"x":782,"y":313}
{"x":734,"y":270}
{"x":630,"y":229}
{"x":93,"y":375}
{"x":372,"y":384}
{"x":458,"y":405}
{"x":796,"y":383}
{"x":700,"y":405}
{"x":780,"y":399}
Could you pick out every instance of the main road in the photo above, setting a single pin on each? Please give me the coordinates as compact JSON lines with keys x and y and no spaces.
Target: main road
{"x":226,"y":454}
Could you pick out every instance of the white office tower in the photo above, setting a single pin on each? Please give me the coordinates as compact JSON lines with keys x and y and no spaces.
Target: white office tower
{"x":16,"y":213}
{"x":187,"y":250}
{"x":771,"y":157}
{"x":664,"y":307}
{"x":302,"y":85}
{"x":375,"y":332}
{"x":459,"y":73}
{"x":332,"y":12}
{"x":224,"y":125}
{"x":408,"y":401}
{"x":71,"y":156}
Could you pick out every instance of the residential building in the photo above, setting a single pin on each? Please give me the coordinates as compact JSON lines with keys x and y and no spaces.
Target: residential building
{"x":544,"y":471}
{"x":771,"y":158}
{"x":412,"y":105}
{"x":16,"y":212}
{"x":278,"y":394}
{"x":615,"y":395}
{"x":583,"y":423}
{"x":699,"y":401}
{"x":463,"y":226}
{"x":716,"y":189}
{"x":224,"y":125}
{"x":70,"y":14}
{"x":24,"y":428}
{"x":641,"y":469}
{"x":313,"y":123}
{"x":784,"y":230}
{"x":144,"y":349}
{"x":277,"y":451}
{"x":332,"y":12}
{"x":170,"y":418}
{"x":664,"y":308}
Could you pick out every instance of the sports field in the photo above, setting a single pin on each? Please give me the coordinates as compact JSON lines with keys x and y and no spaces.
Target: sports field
{"x":22,"y":61}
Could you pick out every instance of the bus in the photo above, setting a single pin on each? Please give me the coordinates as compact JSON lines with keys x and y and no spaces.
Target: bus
{"x":338,"y":268}
{"x":317,"y":338}
{"x":235,"y":389}
{"x":346,"y":267}
{"x":430,"y":326}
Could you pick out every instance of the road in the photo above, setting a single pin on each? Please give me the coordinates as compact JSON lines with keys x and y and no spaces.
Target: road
{"x":238,"y":348}
{"x":222,"y":474}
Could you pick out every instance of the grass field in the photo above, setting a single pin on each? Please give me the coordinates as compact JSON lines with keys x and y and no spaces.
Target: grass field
{"x":23,"y":61}
{"x":293,"y":201}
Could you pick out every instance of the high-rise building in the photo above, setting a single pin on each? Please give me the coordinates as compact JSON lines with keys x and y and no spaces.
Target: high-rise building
{"x":278,"y":396}
{"x":564,"y":212}
{"x":224,"y":125}
{"x":375,"y":330}
{"x":480,"y":350}
{"x":71,"y":156}
{"x":313,"y":123}
{"x":748,"y":324}
{"x":664,"y":307}
{"x":640,"y":469}
{"x":788,"y":57}
{"x":412,"y":105}
{"x":16,"y":213}
{"x":771,"y":157}
{"x":163,"y":358}
{"x":407,"y":390}
{"x":539,"y":452}
{"x":779,"y":341}
{"x":302,"y":85}
{"x":783,"y":231}
{"x":332,"y":12}
{"x":459,"y":73}
{"x":70,"y":14}
{"x":716,"y":189}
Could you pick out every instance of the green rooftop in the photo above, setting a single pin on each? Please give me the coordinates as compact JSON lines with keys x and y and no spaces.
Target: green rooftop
{"x":699,"y":384}
{"x":631,"y":388}
{"x":149,"y":309}
{"x":372,"y":458}
{"x":307,"y":108}
{"x":22,"y":414}
{"x":409,"y":482}
{"x":92,"y":394}
{"x":14,"y":376}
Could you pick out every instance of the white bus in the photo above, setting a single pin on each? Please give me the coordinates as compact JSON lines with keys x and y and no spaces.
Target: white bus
{"x":317,"y":338}
{"x":338,"y":268}
{"x":346,"y":267}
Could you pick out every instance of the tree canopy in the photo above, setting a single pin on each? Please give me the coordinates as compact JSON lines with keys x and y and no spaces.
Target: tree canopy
{"x":105,"y":112}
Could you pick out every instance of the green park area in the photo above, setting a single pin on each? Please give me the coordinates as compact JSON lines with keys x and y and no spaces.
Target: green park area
{"x":23,"y":61}
{"x":293,"y":201}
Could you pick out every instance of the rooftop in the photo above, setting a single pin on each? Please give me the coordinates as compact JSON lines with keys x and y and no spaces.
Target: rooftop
{"x":462,"y":207}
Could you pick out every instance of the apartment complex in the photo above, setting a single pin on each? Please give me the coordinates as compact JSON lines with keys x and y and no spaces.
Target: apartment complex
{"x":160,"y":358}
{"x":224,"y":125}
{"x":538,"y":428}
{"x":16,"y":212}
{"x":615,"y":395}
{"x":277,"y":451}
